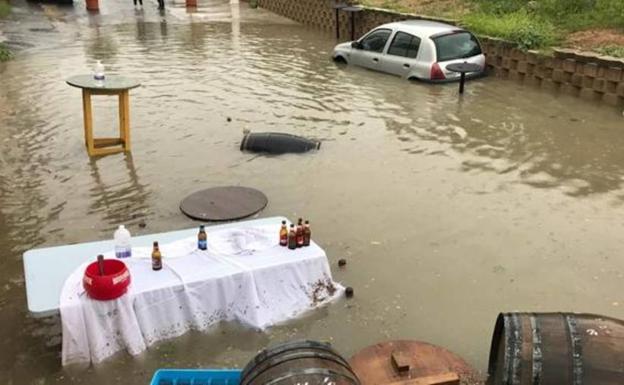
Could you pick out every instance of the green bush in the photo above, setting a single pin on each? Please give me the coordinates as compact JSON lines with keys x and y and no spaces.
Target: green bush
{"x":501,"y":6}
{"x":5,"y":8}
{"x":520,"y":27}
{"x":610,"y":13}
{"x":5,"y":54}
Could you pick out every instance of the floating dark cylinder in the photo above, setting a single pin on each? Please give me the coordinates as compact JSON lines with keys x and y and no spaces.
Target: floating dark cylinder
{"x":556,"y":349}
{"x":299,"y":362}
{"x":277,"y":143}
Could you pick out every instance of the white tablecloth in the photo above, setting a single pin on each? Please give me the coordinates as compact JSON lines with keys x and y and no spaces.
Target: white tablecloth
{"x":241,"y":277}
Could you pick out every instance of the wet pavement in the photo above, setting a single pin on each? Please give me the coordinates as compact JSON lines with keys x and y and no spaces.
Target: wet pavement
{"x":447,"y":210}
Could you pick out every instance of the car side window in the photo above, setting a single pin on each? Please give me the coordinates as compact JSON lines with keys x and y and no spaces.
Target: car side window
{"x":376,"y":40}
{"x":405,"y":45}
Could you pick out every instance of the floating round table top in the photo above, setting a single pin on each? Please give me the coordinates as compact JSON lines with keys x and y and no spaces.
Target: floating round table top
{"x":464,"y":67}
{"x":110,"y":83}
{"x":395,"y":361}
{"x":223,"y":203}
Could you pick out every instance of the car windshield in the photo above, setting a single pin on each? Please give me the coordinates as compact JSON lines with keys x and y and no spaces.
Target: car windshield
{"x":457,"y":45}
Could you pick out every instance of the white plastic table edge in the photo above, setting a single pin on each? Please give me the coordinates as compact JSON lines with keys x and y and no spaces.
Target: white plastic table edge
{"x":46,"y":269}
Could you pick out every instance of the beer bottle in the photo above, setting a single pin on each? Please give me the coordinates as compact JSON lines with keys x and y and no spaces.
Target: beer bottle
{"x":156,"y":258}
{"x":292,"y":237}
{"x":202,"y":242}
{"x":300,"y":233}
{"x":283,"y":235}
{"x":307,"y":234}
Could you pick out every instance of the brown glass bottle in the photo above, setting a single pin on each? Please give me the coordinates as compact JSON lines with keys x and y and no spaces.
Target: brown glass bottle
{"x":156,"y":258}
{"x":292,"y":237}
{"x":307,"y":233}
{"x":283,"y":235}
{"x":202,"y":238}
{"x":300,"y":233}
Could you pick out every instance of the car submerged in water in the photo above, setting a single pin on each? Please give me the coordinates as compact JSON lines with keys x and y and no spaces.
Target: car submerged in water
{"x":415,"y":50}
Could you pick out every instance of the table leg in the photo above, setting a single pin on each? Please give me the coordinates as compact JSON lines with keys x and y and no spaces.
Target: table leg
{"x":124,"y":118}
{"x":461,"y":82}
{"x":337,"y":25}
{"x":88,"y":121}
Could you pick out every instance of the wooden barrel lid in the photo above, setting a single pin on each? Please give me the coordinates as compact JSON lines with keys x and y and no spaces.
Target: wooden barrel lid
{"x":223,"y":203}
{"x":411,"y":363}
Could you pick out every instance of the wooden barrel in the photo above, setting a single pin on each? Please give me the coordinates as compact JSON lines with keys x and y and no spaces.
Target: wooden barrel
{"x":277,"y":143}
{"x":556,"y":349}
{"x":299,"y":362}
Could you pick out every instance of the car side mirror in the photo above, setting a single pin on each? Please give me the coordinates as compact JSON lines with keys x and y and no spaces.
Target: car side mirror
{"x":356,"y":45}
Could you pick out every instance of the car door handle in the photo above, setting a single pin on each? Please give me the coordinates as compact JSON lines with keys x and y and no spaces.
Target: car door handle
{"x":375,"y":59}
{"x":406,"y":65}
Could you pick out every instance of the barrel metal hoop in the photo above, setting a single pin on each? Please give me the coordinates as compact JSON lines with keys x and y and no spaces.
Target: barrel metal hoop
{"x":577,"y":350}
{"x":243,"y":145}
{"x":508,"y":347}
{"x":537,"y":351}
{"x":516,"y":351}
{"x":276,"y":351}
{"x":326,"y":372}
{"x":286,"y":357}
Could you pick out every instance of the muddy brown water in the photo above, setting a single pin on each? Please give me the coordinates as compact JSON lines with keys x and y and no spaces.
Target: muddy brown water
{"x":447,"y":211}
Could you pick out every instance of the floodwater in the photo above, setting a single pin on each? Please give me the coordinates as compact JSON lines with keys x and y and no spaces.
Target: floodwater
{"x":448,"y":210}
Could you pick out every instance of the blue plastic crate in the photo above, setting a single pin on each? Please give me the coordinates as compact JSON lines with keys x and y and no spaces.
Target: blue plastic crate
{"x":196,"y":377}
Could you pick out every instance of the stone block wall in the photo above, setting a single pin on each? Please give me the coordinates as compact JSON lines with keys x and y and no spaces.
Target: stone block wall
{"x":321,"y":14}
{"x":583,"y":74}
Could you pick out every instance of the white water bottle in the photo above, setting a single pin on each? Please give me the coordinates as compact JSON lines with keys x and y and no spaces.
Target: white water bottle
{"x":98,"y":74}
{"x":123,"y":248}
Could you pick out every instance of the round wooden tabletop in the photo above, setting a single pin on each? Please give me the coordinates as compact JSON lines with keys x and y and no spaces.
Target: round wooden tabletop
{"x":110,"y":83}
{"x":223,"y":203}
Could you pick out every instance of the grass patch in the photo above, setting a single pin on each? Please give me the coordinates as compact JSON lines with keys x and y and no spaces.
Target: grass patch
{"x":611,"y":50}
{"x":520,"y":27}
{"x":5,"y":54}
{"x":532,"y":24}
{"x":394,"y":5}
{"x":5,"y":9}
{"x":570,"y":15}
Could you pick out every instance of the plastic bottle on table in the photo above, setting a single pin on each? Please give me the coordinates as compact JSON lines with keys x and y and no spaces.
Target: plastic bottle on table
{"x":123,"y":247}
{"x":98,"y":74}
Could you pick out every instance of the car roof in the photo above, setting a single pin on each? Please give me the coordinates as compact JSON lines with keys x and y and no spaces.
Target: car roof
{"x":425,"y":28}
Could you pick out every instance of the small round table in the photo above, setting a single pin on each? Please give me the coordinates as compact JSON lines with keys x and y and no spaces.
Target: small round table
{"x":463,"y":69}
{"x":352,"y":9}
{"x":112,"y":85}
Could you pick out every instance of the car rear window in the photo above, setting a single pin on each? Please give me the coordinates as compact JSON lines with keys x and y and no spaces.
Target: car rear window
{"x":456,"y":45}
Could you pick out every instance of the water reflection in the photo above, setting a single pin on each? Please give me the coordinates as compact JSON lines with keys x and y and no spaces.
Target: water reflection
{"x":494,"y":134}
{"x":119,"y":201}
{"x":102,"y":46}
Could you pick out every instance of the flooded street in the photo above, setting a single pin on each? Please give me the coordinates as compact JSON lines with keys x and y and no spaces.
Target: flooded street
{"x":447,"y":211}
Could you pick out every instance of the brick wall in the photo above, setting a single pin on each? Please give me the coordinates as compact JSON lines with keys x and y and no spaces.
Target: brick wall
{"x":583,"y":74}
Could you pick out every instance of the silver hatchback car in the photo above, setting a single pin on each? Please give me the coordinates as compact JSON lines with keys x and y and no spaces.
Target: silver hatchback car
{"x":414,"y":49}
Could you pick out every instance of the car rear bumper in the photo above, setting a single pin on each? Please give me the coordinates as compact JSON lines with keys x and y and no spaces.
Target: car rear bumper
{"x":469,"y":76}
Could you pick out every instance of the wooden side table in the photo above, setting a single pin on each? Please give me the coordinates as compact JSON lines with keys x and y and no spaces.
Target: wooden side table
{"x":112,"y":86}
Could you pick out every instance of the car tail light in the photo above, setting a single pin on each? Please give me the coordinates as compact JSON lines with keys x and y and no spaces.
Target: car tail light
{"x":436,"y":72}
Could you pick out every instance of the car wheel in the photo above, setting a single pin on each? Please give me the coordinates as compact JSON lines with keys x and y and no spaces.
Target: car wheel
{"x":340,"y":59}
